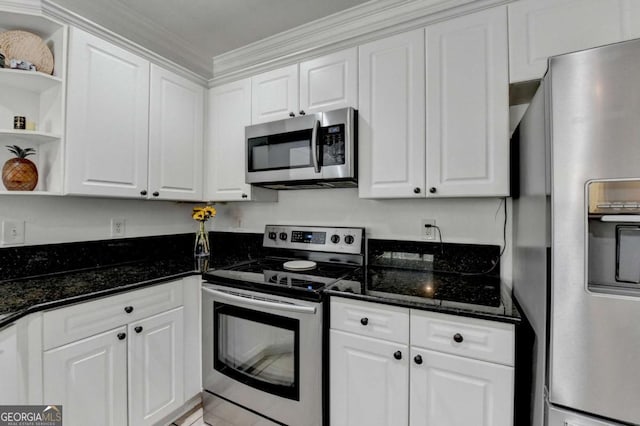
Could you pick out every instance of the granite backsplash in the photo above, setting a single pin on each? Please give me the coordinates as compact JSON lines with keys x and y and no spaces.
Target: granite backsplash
{"x":30,"y":261}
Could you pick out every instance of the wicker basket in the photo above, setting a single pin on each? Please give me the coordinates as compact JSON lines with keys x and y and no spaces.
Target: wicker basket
{"x":26,"y":46}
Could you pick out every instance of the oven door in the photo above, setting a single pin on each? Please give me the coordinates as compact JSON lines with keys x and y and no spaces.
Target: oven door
{"x":263,"y":352}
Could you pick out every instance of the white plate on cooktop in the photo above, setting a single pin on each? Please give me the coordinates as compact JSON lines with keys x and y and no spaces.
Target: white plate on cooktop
{"x":299,"y":265}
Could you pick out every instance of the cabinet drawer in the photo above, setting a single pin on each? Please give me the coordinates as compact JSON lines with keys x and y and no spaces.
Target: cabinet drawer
{"x":82,"y":320}
{"x":469,"y":337}
{"x":370,"y":319}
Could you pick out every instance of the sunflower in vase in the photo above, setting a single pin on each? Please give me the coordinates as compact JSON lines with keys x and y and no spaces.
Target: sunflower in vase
{"x":202,"y":214}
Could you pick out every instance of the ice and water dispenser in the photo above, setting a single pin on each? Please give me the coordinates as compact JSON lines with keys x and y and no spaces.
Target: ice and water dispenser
{"x":614,"y":236}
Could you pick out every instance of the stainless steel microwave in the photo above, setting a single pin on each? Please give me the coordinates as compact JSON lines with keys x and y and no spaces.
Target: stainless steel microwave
{"x":310,"y":151}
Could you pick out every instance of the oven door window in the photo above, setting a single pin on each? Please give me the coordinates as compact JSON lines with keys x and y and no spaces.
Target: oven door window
{"x":283,"y":151}
{"x":258,"y":349}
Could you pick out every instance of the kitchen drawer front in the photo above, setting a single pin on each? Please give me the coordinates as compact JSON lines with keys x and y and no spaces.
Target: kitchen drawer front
{"x":469,"y":337}
{"x":65,"y":325}
{"x":370,"y":319}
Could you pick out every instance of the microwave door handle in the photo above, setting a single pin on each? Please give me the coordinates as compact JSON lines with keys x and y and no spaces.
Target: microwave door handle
{"x":314,"y":146}
{"x":261,"y":303}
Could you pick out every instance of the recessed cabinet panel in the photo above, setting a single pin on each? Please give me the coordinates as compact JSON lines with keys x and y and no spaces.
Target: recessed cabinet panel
{"x":448,"y":390}
{"x":467,"y":106}
{"x":391,"y":117}
{"x":539,"y":29}
{"x":274,"y":94}
{"x":89,"y":379}
{"x":175,"y":136}
{"x":369,"y":384}
{"x":329,"y":82}
{"x":156,"y":359}
{"x":107,"y":117}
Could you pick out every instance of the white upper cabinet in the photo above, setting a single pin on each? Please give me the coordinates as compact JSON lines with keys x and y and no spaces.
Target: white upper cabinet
{"x":225,"y":152}
{"x":176,"y":135}
{"x":320,"y":84}
{"x":391,"y":125}
{"x":274,"y":95}
{"x":468,"y":106}
{"x":329,"y":82}
{"x":539,"y":29}
{"x":134,"y":130}
{"x":107,"y":119}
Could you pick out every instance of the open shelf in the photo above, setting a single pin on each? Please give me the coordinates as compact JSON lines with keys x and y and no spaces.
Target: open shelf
{"x":27,"y":136}
{"x":33,"y":81}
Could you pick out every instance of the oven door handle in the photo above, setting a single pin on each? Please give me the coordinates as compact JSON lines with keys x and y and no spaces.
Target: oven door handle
{"x":262,"y":303}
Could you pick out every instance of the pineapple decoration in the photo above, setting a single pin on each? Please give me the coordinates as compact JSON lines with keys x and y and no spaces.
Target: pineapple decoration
{"x":20,"y":173}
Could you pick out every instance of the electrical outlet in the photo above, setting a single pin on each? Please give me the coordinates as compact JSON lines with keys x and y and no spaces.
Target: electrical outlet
{"x":428,"y":232}
{"x":12,"y":232}
{"x":117,"y":227}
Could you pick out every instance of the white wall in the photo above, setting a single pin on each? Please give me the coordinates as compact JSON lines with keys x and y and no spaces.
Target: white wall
{"x":469,"y":220}
{"x":51,"y":219}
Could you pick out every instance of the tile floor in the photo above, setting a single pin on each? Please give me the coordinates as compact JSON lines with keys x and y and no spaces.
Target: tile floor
{"x":192,"y":419}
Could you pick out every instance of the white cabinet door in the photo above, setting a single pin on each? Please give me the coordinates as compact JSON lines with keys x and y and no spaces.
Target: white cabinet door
{"x":9,"y":372}
{"x":369,"y":386}
{"x":89,"y":379}
{"x":447,"y":390}
{"x":542,"y":28}
{"x":468,"y":106}
{"x":329,"y":82}
{"x":391,"y":121}
{"x":274,"y":94}
{"x":156,"y":367}
{"x":107,"y":119}
{"x":176,"y":135}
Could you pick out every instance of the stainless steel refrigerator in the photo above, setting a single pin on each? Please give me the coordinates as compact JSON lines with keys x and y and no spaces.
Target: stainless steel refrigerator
{"x":576,"y":229}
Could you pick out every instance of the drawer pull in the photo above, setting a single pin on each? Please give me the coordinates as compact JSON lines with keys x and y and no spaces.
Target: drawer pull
{"x":128,"y":309}
{"x":458,"y":338}
{"x":122,"y":336}
{"x":138,"y":329}
{"x":364,"y":321}
{"x":397,"y":355}
{"x":417,"y":359}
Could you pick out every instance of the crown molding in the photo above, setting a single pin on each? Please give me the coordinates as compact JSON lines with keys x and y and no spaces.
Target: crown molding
{"x":360,"y":24}
{"x":51,"y":9}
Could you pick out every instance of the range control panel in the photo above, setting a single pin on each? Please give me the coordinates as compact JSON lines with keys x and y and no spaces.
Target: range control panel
{"x":314,"y":238}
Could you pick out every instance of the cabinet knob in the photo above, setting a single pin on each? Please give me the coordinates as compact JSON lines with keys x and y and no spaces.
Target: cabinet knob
{"x":417,"y":359}
{"x":364,"y":321}
{"x":397,"y":355}
{"x":143,"y":192}
{"x":155,"y":194}
{"x":128,"y":309}
{"x":416,"y":190}
{"x":138,"y":329}
{"x":244,"y":195}
{"x":291,"y":114}
{"x":432,"y":190}
{"x":302,"y":112}
{"x":458,"y":338}
{"x":122,"y":336}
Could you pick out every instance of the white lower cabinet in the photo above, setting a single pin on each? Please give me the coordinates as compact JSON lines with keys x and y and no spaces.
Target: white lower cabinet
{"x":9,"y":379}
{"x":375,"y":379}
{"x":89,"y":379}
{"x":139,"y":372}
{"x":452,"y":390}
{"x":369,"y":381}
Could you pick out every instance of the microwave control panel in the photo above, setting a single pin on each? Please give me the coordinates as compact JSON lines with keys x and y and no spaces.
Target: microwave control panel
{"x":333,"y":144}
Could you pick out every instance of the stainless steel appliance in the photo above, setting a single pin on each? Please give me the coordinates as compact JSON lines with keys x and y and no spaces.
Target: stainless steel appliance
{"x":577,"y":240}
{"x":262,"y":326}
{"x":311,"y":151}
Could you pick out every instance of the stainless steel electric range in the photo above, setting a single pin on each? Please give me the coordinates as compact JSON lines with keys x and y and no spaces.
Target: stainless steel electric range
{"x":262,"y":326}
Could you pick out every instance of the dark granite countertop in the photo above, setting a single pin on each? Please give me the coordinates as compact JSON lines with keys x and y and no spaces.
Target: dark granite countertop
{"x":478,"y":296}
{"x":19,"y":297}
